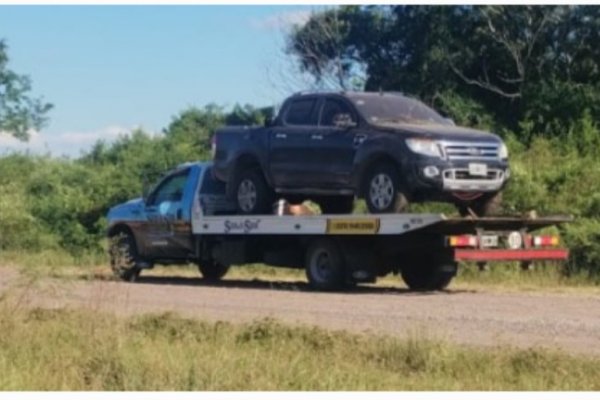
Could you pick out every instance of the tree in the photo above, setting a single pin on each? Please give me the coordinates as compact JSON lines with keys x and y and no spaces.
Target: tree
{"x":19,"y":112}
{"x":513,"y":63}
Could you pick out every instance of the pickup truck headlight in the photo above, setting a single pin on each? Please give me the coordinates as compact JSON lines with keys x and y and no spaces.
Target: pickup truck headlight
{"x":503,"y":152}
{"x":425,"y":147}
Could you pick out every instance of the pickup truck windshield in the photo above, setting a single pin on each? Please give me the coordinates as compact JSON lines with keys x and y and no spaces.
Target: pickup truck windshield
{"x":394,"y":109}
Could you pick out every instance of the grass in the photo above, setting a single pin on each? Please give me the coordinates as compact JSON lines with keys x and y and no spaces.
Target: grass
{"x":72,"y":350}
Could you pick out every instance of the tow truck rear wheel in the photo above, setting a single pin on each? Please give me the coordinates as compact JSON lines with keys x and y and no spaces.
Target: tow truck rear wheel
{"x":325,"y":265}
{"x":124,"y":257}
{"x":212,"y":271}
{"x":429,"y":275}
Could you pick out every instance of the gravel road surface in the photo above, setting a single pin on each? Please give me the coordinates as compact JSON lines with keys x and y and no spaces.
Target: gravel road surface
{"x":570,"y":322}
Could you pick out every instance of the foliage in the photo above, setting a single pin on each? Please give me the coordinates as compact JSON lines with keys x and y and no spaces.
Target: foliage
{"x":536,"y":63}
{"x":19,"y":112}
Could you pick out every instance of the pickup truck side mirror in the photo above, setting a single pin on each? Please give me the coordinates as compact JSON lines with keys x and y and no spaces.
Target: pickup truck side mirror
{"x":343,"y":120}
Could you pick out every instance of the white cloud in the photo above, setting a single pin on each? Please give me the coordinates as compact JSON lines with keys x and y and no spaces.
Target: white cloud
{"x":70,"y":143}
{"x":282,"y":21}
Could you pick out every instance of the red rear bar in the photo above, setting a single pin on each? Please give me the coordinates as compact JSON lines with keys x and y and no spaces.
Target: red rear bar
{"x":510,"y":255}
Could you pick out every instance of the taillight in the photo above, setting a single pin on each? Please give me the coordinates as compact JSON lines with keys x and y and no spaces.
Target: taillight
{"x":545,"y":241}
{"x":462,"y":241}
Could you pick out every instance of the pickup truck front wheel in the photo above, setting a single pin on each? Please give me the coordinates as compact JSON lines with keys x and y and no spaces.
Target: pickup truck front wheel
{"x":252,"y":193}
{"x":124,"y":257}
{"x":382,"y":190}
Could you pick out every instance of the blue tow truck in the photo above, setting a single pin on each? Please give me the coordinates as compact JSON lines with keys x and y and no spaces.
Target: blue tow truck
{"x":187,"y":218}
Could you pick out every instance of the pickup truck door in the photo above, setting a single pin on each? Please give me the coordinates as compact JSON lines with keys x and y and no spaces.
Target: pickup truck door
{"x":290,"y":157}
{"x":333,"y":145}
{"x":168,"y":231}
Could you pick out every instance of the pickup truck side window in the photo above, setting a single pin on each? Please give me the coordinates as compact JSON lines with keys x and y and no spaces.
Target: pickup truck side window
{"x":171,"y":189}
{"x":301,"y":112}
{"x":332,"y":109}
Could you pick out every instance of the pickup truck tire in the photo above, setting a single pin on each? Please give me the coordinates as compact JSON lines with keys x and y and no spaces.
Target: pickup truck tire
{"x":325,"y":265}
{"x":336,"y":204}
{"x":488,"y":204}
{"x":251,"y":192}
{"x":382,"y":190}
{"x":429,"y":275}
{"x":212,"y":271}
{"x":124,"y":257}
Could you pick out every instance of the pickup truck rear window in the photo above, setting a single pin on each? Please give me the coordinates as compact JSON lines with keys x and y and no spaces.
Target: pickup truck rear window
{"x":301,"y":112}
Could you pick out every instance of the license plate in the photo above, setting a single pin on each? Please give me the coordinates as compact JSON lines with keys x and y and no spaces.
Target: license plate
{"x":489,"y":241}
{"x":477,"y":169}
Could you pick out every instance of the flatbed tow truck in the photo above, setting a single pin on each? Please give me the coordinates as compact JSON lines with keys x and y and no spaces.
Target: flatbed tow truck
{"x":187,"y":218}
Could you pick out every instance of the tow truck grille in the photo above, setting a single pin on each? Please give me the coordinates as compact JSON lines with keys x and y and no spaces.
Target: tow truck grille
{"x":471,"y":151}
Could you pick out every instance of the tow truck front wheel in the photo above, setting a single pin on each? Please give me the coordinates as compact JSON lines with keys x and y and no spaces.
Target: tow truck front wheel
{"x":324,"y":265}
{"x":124,"y":257}
{"x":212,"y":271}
{"x":429,"y":275}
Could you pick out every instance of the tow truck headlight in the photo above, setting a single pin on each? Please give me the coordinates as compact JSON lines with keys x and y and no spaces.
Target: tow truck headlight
{"x":503,"y":153}
{"x":425,"y":147}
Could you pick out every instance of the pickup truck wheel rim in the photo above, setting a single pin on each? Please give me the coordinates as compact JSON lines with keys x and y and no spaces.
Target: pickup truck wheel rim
{"x":381,"y":191}
{"x":247,"y":195}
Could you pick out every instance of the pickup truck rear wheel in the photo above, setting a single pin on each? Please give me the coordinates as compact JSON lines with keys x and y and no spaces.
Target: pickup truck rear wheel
{"x":429,"y":275}
{"x":324,"y":265}
{"x":382,"y":190}
{"x":252,"y":193}
{"x":213,"y":271}
{"x":124,"y":257}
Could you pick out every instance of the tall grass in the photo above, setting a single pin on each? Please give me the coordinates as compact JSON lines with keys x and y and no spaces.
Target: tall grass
{"x":73,"y":350}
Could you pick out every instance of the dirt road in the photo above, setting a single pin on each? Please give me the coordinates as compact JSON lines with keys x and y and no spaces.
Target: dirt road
{"x":567,"y":321}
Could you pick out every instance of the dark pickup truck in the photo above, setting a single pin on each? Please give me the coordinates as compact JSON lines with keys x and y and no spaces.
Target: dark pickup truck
{"x":384,"y":147}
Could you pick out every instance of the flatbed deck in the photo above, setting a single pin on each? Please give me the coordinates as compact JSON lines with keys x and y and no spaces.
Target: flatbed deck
{"x":361,"y":224}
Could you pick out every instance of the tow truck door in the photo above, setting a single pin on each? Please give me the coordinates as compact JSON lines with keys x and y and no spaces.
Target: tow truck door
{"x":168,"y":231}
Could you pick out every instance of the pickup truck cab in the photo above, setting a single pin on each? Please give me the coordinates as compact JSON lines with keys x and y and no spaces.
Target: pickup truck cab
{"x":384,"y":147}
{"x":187,"y":218}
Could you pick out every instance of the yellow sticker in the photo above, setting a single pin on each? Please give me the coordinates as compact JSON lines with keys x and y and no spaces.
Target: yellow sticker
{"x":353,"y":226}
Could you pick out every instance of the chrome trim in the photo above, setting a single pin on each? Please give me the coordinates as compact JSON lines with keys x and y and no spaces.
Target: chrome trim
{"x":471,"y":150}
{"x":454,"y":179}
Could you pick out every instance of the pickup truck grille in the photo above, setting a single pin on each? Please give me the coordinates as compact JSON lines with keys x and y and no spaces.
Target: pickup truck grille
{"x":471,"y":151}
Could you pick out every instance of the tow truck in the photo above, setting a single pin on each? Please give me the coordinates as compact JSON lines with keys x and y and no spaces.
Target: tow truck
{"x":187,"y":218}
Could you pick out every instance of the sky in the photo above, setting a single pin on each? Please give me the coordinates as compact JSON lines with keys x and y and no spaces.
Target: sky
{"x":111,"y":69}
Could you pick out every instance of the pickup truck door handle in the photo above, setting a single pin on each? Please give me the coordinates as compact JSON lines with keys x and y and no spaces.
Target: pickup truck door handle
{"x":316,"y":137}
{"x":280,"y":136}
